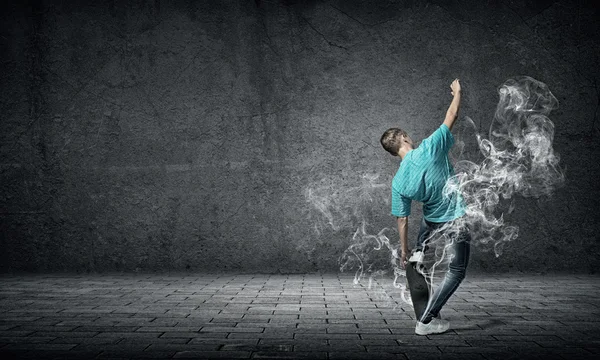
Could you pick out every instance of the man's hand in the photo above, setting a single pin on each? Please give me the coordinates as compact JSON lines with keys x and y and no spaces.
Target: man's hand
{"x":455,"y":86}
{"x":403,"y":256}
{"x":452,"y":112}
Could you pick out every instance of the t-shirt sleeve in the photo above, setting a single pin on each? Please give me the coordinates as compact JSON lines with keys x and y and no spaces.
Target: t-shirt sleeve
{"x":440,"y":141}
{"x":400,"y":204}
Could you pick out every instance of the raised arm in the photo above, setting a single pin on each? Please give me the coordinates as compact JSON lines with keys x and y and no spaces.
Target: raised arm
{"x":452,"y":112}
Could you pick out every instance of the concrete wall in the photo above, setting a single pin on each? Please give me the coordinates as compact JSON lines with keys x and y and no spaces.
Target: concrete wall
{"x":173,"y":135}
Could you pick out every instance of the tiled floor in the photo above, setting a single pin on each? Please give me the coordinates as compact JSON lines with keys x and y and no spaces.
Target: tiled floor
{"x":309,"y":316}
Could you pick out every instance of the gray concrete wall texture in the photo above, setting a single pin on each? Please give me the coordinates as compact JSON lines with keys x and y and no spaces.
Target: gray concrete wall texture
{"x":204,"y":135}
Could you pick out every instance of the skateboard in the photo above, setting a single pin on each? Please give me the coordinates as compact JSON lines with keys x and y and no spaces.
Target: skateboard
{"x":418,"y":287}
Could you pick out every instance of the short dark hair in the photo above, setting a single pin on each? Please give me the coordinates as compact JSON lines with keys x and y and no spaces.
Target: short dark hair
{"x":391,"y":140}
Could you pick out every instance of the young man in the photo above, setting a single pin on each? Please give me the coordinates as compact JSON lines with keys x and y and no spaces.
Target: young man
{"x":421,"y":177}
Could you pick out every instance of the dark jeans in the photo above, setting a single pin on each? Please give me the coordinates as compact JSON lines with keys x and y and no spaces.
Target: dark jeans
{"x":459,"y":248}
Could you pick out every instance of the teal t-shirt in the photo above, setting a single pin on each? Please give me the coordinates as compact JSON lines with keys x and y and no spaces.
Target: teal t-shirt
{"x":422,"y":176}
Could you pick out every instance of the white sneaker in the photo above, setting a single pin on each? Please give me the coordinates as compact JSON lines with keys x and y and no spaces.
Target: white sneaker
{"x":435,"y":326}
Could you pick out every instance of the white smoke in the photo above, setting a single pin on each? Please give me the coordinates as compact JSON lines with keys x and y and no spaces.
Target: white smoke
{"x":341,"y":205}
{"x":518,"y":159}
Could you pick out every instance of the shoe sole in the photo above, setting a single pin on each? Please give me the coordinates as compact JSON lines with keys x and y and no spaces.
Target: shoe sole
{"x":431,"y":333}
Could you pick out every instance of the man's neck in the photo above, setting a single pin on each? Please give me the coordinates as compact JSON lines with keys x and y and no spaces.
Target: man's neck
{"x":403,"y":151}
